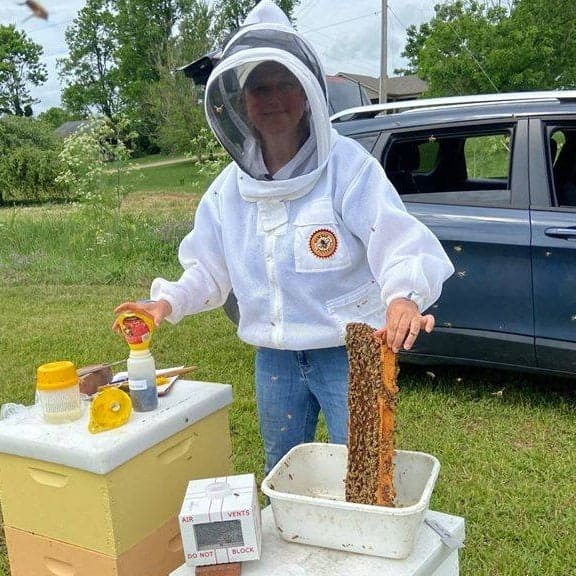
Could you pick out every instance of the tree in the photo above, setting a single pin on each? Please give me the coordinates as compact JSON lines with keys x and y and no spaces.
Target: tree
{"x":541,"y":52}
{"x":20,"y":66}
{"x":472,"y":46}
{"x":195,"y":36}
{"x":56,"y":116}
{"x":173,"y":104}
{"x":29,"y":160}
{"x":90,"y":69}
{"x":146,"y":30}
{"x":172,"y":101}
{"x":122,"y":54}
{"x":145,"y":37}
{"x":450,"y":52}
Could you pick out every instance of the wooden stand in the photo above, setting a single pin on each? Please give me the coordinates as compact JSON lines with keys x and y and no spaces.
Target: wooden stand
{"x":232,"y":569}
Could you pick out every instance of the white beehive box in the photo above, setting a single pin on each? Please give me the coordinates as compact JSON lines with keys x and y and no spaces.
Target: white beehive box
{"x":220,"y":521}
{"x":307,"y":493}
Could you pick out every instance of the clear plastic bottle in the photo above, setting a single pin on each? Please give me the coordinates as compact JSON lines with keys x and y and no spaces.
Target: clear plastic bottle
{"x":142,"y":380}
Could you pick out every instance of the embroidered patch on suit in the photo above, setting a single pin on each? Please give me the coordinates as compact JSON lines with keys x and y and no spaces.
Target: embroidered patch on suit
{"x":323,"y":243}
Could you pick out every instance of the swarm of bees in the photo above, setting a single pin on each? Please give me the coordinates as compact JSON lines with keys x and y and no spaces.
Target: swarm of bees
{"x":38,"y":11}
{"x":372,"y":405}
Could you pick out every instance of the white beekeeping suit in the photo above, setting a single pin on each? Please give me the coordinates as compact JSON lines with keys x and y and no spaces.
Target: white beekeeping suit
{"x":323,"y":241}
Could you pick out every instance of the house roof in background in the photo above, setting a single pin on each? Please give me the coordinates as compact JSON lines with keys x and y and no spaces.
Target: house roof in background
{"x":69,"y":127}
{"x":397,"y":87}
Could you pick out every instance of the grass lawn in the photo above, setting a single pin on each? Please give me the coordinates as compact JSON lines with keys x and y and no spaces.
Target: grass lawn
{"x":505,"y":441}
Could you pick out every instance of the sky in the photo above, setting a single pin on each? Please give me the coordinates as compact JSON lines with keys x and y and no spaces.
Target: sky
{"x":345,"y":33}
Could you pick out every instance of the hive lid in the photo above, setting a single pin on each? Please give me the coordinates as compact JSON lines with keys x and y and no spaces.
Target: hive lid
{"x":26,"y":434}
{"x":279,"y":557}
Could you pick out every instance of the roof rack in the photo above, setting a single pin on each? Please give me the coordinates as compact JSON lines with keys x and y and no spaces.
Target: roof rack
{"x":373,"y":110}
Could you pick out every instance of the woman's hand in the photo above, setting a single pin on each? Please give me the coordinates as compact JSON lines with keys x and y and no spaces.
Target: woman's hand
{"x":158,"y":309}
{"x":403,"y":324}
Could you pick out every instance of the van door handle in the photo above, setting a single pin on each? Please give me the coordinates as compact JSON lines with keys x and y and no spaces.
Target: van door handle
{"x":561,"y":232}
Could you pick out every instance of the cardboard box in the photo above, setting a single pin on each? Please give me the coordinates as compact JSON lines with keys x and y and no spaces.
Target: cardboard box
{"x":220,"y":521}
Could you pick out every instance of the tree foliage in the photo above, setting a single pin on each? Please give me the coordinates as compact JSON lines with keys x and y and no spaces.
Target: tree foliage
{"x":20,"y":67}
{"x":56,"y":116}
{"x":173,"y":104}
{"x":122,"y":54}
{"x":29,"y":161}
{"x":145,"y":39}
{"x":543,"y":44}
{"x":473,"y":46}
{"x":195,"y":36}
{"x":90,"y":70}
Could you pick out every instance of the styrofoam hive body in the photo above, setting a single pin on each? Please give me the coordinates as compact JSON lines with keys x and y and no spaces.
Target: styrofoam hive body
{"x":124,"y":505}
{"x":307,"y":493}
{"x":76,"y":503}
{"x":33,"y":555}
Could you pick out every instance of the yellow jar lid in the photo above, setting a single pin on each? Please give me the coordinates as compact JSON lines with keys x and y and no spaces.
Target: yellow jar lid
{"x":56,"y":376}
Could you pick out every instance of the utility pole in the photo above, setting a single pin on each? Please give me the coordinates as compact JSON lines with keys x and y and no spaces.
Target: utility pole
{"x":384,"y":53}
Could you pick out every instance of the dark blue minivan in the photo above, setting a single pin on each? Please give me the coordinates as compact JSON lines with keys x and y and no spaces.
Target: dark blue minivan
{"x":494,"y":177}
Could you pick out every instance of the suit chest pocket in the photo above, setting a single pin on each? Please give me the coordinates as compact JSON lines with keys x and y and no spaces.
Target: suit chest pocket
{"x":319,"y":244}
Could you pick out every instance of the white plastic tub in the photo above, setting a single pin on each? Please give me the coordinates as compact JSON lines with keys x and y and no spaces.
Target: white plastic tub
{"x":307,"y":493}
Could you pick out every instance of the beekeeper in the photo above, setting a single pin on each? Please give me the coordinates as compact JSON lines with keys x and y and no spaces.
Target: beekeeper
{"x":304,"y":226}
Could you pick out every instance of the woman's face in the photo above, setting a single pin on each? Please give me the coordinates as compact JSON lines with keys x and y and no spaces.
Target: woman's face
{"x":275,"y":101}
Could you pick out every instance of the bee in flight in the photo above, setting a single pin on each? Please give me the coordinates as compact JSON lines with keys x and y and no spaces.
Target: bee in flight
{"x":37,"y":9}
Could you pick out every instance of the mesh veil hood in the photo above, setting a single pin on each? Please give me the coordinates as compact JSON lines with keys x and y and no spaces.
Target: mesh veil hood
{"x":267,"y":36}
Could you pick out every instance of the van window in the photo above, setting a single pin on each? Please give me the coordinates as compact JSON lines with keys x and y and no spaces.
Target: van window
{"x":455,"y":167}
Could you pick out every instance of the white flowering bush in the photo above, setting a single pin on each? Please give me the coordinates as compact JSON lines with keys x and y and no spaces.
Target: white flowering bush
{"x":86,"y":159}
{"x":82,"y":165}
{"x":208,"y":153}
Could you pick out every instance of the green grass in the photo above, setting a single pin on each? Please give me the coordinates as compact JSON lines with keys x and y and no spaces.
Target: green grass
{"x":505,"y":441}
{"x":182,"y":177}
{"x":143,"y":161}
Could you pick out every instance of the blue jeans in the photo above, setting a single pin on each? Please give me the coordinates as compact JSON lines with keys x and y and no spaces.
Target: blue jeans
{"x":291,"y":389}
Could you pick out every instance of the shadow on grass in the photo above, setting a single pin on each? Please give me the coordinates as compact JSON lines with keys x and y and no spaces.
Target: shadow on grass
{"x":528,"y":388}
{"x":29,"y":203}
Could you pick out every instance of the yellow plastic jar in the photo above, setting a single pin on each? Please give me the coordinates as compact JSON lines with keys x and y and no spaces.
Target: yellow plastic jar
{"x":58,"y":389}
